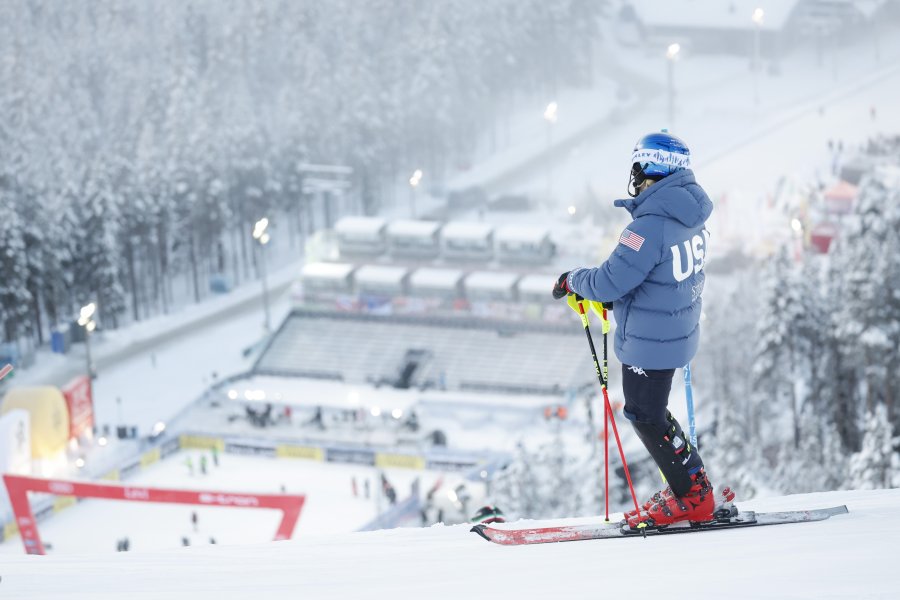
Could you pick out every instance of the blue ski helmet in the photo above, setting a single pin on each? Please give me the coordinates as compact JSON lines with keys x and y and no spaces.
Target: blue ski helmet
{"x":657,"y":155}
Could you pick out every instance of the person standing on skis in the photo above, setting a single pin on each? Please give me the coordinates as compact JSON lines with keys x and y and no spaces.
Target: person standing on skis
{"x":655,"y":278}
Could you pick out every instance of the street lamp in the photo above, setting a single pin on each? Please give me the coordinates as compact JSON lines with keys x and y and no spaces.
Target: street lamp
{"x":85,"y":319}
{"x":551,"y":114}
{"x":758,"y":15}
{"x":413,"y":187}
{"x":261,"y":235}
{"x":671,"y":56}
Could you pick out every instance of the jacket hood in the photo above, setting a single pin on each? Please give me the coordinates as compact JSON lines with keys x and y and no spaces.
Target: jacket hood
{"x":677,"y":197}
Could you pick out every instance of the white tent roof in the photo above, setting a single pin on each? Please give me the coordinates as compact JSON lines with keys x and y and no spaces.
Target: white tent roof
{"x":522,"y":233}
{"x":359,"y":225}
{"x":460,"y":230}
{"x":413,"y":228}
{"x":326,"y":270}
{"x":435,"y":278}
{"x":537,"y":283}
{"x":380,"y":274}
{"x":490,"y":280}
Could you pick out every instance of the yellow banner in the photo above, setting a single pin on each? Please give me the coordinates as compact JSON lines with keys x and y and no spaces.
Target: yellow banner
{"x":150,"y":457}
{"x":402,"y":461}
{"x":10,"y":529}
{"x":61,"y":502}
{"x":306,"y":452}
{"x":202,"y":442}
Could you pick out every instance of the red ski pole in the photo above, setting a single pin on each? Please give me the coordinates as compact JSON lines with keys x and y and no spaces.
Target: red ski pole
{"x":606,"y":457}
{"x":607,"y":407}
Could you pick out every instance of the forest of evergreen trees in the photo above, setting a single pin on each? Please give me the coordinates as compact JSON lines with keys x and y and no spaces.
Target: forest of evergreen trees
{"x":139,"y":141}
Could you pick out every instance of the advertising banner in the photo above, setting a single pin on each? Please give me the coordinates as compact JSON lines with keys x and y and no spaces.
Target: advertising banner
{"x":80,"y":401}
{"x":18,"y":488}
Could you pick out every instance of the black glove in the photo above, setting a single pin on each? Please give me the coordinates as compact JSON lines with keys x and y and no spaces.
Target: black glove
{"x":560,"y":289}
{"x":607,"y":305}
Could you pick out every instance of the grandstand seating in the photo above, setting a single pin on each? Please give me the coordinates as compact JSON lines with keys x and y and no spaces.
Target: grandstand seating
{"x":465,"y":354}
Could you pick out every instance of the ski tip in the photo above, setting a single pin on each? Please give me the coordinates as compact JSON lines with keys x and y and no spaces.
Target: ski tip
{"x":479,"y":529}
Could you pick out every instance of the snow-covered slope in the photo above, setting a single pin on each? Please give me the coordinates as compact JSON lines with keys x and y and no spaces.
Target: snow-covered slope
{"x":848,"y":556}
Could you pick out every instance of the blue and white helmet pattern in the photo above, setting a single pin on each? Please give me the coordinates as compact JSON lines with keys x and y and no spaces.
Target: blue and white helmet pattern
{"x":661,"y":154}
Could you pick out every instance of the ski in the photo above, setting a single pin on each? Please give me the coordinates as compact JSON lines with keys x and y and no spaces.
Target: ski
{"x":574,"y":533}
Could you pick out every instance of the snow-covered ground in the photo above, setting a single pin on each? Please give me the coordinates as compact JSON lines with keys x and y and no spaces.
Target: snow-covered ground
{"x":847,"y":556}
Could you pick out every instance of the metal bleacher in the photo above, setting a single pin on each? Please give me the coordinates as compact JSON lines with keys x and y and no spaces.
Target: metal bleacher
{"x":465,"y":353}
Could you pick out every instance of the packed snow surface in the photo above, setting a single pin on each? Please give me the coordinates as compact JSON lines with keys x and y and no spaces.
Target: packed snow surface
{"x":847,"y":556}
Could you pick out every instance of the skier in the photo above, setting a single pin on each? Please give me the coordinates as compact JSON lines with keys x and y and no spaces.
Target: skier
{"x":655,"y":279}
{"x":215,"y":456}
{"x":190,"y":465}
{"x":194,"y":519}
{"x":203,"y":464}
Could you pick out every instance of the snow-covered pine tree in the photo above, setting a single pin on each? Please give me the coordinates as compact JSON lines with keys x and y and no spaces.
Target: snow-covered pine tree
{"x":94,"y":257}
{"x":731,"y":454}
{"x":873,"y":466}
{"x":819,"y":463}
{"x":774,"y":395}
{"x":866,"y":284}
{"x":546,"y":482}
{"x":15,"y":299}
{"x":515,"y":487}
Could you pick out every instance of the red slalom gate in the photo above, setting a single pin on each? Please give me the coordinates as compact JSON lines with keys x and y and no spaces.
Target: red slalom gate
{"x":19,"y":486}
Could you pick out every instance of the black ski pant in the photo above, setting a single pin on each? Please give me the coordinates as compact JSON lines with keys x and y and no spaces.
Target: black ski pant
{"x":646,"y":398}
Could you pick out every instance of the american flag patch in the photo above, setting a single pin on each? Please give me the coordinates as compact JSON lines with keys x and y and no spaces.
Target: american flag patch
{"x":632,"y":240}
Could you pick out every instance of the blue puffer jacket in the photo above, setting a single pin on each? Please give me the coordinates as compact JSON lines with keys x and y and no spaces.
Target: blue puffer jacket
{"x":655,"y":274}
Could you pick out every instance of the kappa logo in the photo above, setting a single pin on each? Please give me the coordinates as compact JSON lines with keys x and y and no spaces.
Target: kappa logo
{"x":638,"y":371}
{"x":694,"y":256}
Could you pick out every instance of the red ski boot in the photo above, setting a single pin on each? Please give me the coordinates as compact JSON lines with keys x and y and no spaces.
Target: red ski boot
{"x":658,"y":498}
{"x":696,"y":507}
